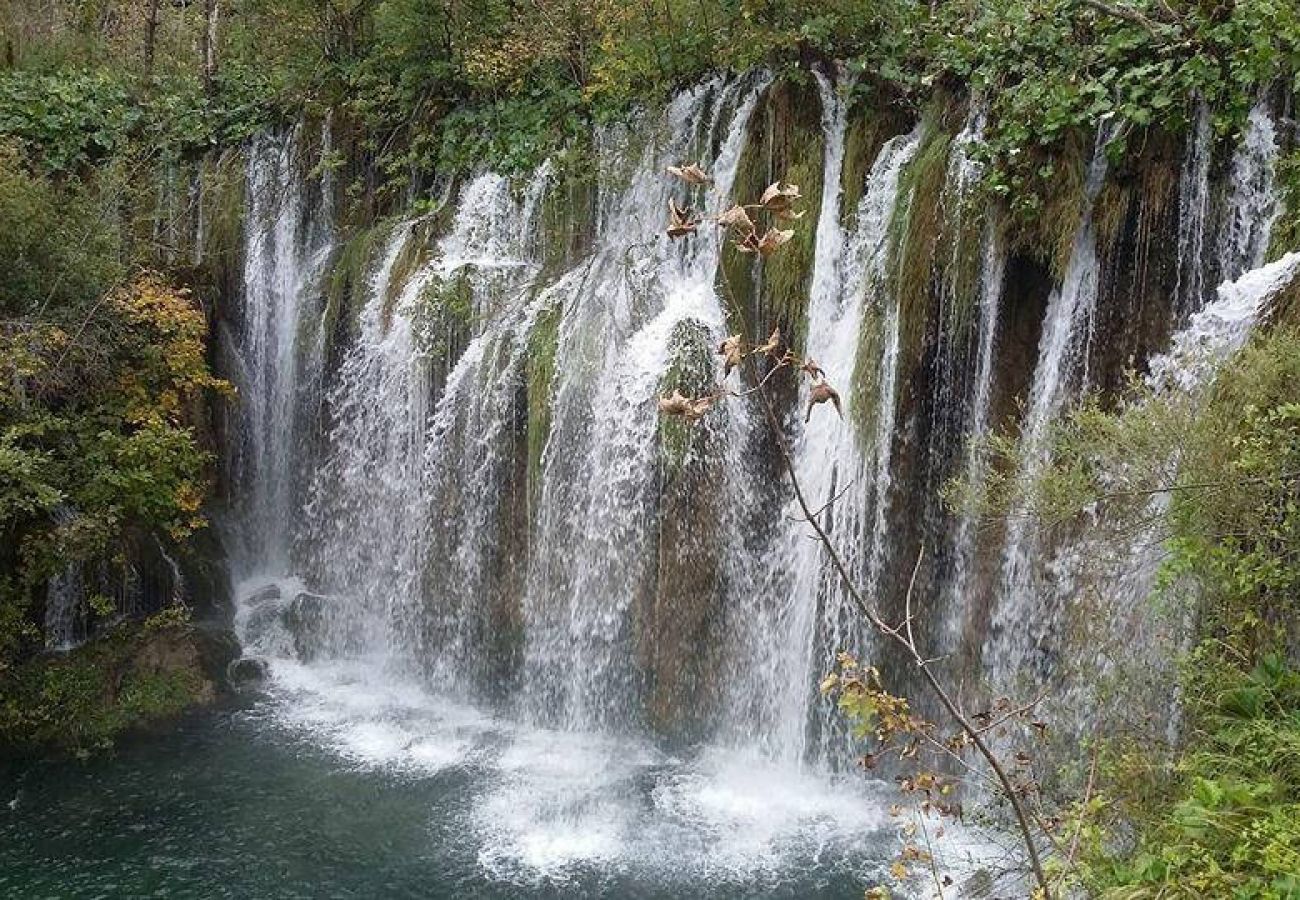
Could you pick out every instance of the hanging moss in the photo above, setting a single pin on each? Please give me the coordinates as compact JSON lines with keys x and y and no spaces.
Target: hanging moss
{"x":1048,"y":235}
{"x":346,"y":280}
{"x":539,"y":374}
{"x":785,"y":142}
{"x":865,"y":381}
{"x":915,"y":233}
{"x":443,"y":315}
{"x":869,"y":128}
{"x":1286,"y":231}
{"x":222,"y":195}
{"x":415,"y":253}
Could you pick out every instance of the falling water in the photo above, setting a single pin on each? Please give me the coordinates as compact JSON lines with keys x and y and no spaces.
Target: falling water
{"x":795,"y":636}
{"x":1253,"y":205}
{"x":1193,"y":215}
{"x":284,"y":258}
{"x":1021,"y":620}
{"x":598,"y":499}
{"x":491,"y":510}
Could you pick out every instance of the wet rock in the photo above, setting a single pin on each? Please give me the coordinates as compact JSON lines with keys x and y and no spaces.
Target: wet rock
{"x":264,"y":595}
{"x":217,"y":647}
{"x":247,"y":672}
{"x":263,"y":623}
{"x":308,"y":619}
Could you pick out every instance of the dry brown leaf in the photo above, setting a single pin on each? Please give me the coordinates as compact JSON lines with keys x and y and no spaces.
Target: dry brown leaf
{"x":738,"y":218}
{"x":680,"y":221}
{"x":770,"y":242}
{"x":771,"y":345}
{"x":690,"y":409}
{"x":820,"y":393}
{"x":780,"y":195}
{"x":732,"y":353}
{"x":690,"y":173}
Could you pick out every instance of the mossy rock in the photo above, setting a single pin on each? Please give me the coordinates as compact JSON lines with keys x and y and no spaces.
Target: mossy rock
{"x":539,"y":375}
{"x":138,"y":675}
{"x":785,"y":142}
{"x":691,"y":371}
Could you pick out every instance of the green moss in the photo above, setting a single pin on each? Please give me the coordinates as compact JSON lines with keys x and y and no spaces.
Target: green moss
{"x":346,"y":283}
{"x":785,"y":142}
{"x":443,"y":315}
{"x":1048,"y":234}
{"x":539,"y":373}
{"x":138,"y":674}
{"x":692,"y":372}
{"x":222,"y":192}
{"x":869,"y":128}
{"x":866,"y":371}
{"x":1286,"y":231}
{"x":915,"y":233}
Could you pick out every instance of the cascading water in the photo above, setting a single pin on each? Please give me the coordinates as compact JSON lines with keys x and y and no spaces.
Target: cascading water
{"x":1022,"y":618}
{"x":494,"y":512}
{"x":598,"y":498}
{"x":284,"y":256}
{"x":1253,"y":205}
{"x":963,"y":176}
{"x":795,"y":637}
{"x":1193,"y":215}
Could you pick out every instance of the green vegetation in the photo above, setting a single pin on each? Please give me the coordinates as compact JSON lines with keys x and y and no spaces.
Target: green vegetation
{"x":138,"y":674}
{"x":1216,"y":814}
{"x":419,"y":87}
{"x":102,"y":399}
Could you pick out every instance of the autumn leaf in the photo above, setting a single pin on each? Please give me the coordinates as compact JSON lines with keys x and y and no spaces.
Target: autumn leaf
{"x":690,"y":409}
{"x":732,"y":353}
{"x":680,"y":221}
{"x":738,"y":218}
{"x":780,"y":196}
{"x":690,"y":173}
{"x":766,"y":245}
{"x":772,"y":344}
{"x":820,"y":393}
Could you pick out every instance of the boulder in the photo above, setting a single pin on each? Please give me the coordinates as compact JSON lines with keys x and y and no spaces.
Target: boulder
{"x":247,"y":672}
{"x":308,"y":619}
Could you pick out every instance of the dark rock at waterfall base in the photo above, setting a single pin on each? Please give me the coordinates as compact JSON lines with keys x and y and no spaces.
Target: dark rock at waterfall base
{"x":140,"y":675}
{"x":217,"y":648}
{"x":308,"y":619}
{"x":264,"y":595}
{"x":265,"y":617}
{"x":247,"y":672}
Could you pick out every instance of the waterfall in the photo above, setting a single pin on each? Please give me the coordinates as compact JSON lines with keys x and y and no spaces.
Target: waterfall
{"x":1037,"y":579}
{"x":974,"y":469}
{"x":400,"y":464}
{"x":1022,"y":619}
{"x":284,"y":256}
{"x":1253,"y":206}
{"x":1193,"y":214}
{"x":791,"y":638}
{"x":598,"y":499}
{"x":478,"y":506}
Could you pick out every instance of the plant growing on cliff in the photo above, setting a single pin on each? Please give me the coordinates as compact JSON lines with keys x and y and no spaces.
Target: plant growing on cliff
{"x":1213,"y":809}
{"x":102,"y":400}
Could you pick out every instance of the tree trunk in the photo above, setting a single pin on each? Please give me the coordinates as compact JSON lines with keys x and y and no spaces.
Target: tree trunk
{"x":150,"y":38}
{"x":212,"y":13}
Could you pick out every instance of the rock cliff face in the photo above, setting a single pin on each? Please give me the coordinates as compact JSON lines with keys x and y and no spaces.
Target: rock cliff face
{"x":447,"y":425}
